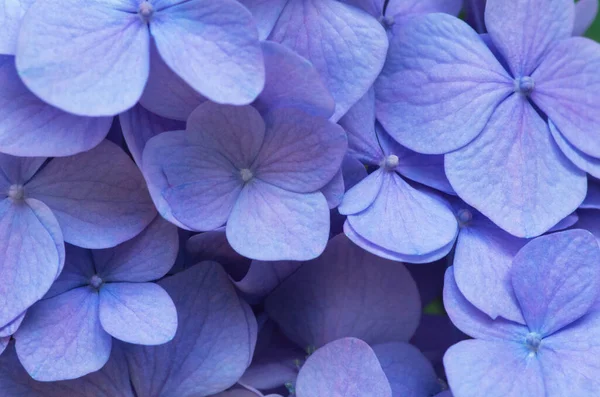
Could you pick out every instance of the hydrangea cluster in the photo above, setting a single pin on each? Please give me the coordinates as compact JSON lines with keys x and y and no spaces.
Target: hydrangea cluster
{"x":299,"y":198}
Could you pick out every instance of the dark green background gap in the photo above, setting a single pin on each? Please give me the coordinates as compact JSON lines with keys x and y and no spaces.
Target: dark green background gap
{"x":594,"y":31}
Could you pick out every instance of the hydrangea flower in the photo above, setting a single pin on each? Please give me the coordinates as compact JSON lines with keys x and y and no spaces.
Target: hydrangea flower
{"x":212,"y":347}
{"x":259,"y":176}
{"x":64,"y":45}
{"x":30,"y":127}
{"x":386,"y":215}
{"x":554,"y":350}
{"x":95,"y":199}
{"x":99,"y":295}
{"x":346,"y":45}
{"x":503,"y":128}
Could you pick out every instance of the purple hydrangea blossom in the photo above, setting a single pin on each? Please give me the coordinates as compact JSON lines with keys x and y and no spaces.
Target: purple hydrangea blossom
{"x":413,"y":223}
{"x":495,"y":121}
{"x":551,"y":351}
{"x":63,"y":45}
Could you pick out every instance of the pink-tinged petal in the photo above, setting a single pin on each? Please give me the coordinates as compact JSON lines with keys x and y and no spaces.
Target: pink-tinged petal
{"x":482,"y":263}
{"x":265,"y":13}
{"x":567,"y":89}
{"x":562,"y":270}
{"x":533,"y":27}
{"x":93,"y":65}
{"x":140,"y":125}
{"x":212,"y":46}
{"x":347,"y":46}
{"x":586,"y":163}
{"x":585,"y":14}
{"x":146,"y":257}
{"x":440,"y":84}
{"x":300,"y":152}
{"x":61,"y":338}
{"x":99,"y":197}
{"x":515,"y":174}
{"x":32,"y":255}
{"x":166,"y":94}
{"x":11,"y":14}
{"x":373,"y":299}
{"x":292,"y":81}
{"x":346,"y":367}
{"x":269,"y":223}
{"x":474,"y":322}
{"x":409,"y":221}
{"x":478,"y":368}
{"x":30,"y":127}
{"x":140,"y":313}
{"x":213,"y":344}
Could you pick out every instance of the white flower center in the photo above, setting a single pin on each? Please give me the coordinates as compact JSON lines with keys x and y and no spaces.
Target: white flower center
{"x":16,"y":192}
{"x":246,"y":174}
{"x":146,"y":11}
{"x":524,"y":85}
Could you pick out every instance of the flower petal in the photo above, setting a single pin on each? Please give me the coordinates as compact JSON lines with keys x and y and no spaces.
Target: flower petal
{"x":493,"y":369}
{"x":346,"y":367}
{"x":93,"y":65}
{"x":32,"y":255}
{"x":269,"y":223}
{"x":77,"y":272}
{"x":373,"y":299}
{"x":11,"y":14}
{"x":213,"y":333}
{"x":61,"y":337}
{"x":212,"y":46}
{"x":584,"y":162}
{"x":442,"y":74}
{"x":585,"y":14}
{"x":301,"y":152}
{"x":532,"y":28}
{"x":360,"y":196}
{"x":561,"y":269}
{"x":567,"y":89}
{"x":347,"y":46}
{"x":99,"y":197}
{"x":141,"y":313}
{"x":515,"y":174}
{"x":266,"y":13}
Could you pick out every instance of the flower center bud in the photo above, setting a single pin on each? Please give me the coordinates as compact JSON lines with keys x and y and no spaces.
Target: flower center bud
{"x":387,"y":21}
{"x":524,"y":85}
{"x":96,"y":281}
{"x":16,"y":192}
{"x":464,"y":217}
{"x":146,"y":11}
{"x":246,"y":174}
{"x":533,"y":341}
{"x":390,"y":162}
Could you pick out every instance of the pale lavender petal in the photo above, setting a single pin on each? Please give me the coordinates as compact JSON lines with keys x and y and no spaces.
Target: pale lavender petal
{"x":292,"y":81}
{"x":398,"y":8}
{"x":11,"y":14}
{"x":346,"y":367}
{"x":141,"y":313}
{"x":213,"y":46}
{"x":61,"y":338}
{"x":442,"y":74}
{"x":140,"y":125}
{"x":93,"y":65}
{"x":478,"y":368}
{"x":474,"y":322}
{"x":515,"y":174}
{"x":562,"y":270}
{"x":586,"y":163}
{"x":567,"y":89}
{"x":300,"y":152}
{"x":32,"y":255}
{"x":99,"y":197}
{"x":77,"y":272}
{"x":269,"y":223}
{"x":347,"y":46}
{"x":523,"y":39}
{"x":18,"y":170}
{"x":265,"y":13}
{"x":10,"y":328}
{"x":376,"y":299}
{"x":146,"y":257}
{"x":359,"y":197}
{"x":30,"y":127}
